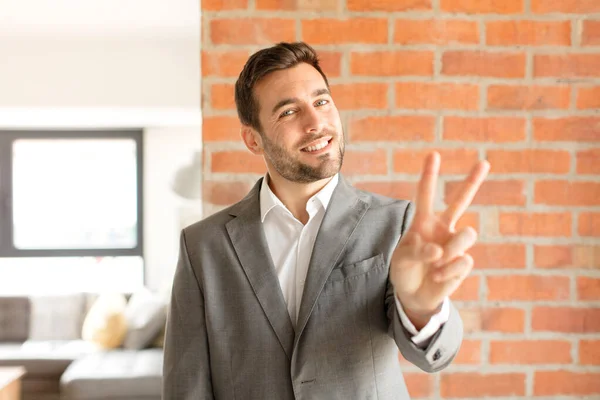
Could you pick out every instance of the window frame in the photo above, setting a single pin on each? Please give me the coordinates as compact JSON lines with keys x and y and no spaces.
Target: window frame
{"x":7,"y":138}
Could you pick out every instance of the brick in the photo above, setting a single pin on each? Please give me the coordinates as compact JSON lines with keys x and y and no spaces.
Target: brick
{"x":218,"y":5}
{"x":469,"y":353}
{"x":265,"y":31}
{"x":498,"y":255}
{"x":453,"y":161}
{"x":507,"y":320}
{"x":566,"y":65}
{"x":494,"y":129}
{"x":589,"y":224}
{"x":535,"y":224}
{"x":573,"y":129}
{"x":219,"y":128}
{"x":566,"y":320}
{"x":565,"y":6}
{"x":331,"y":63}
{"x":589,"y":352}
{"x":388,"y":5}
{"x":392,"y":128}
{"x":468,"y":289}
{"x":566,"y":256}
{"x":588,"y":98}
{"x":588,"y":288}
{"x":478,"y":385}
{"x":297,"y":5}
{"x":365,"y":162}
{"x":530,"y":352}
{"x":501,"y":97}
{"x":223,"y":63}
{"x":391,"y":63}
{"x":419,"y":385}
{"x":436,"y":96}
{"x":222,"y":96}
{"x":482,"y":6}
{"x":590,"y":35}
{"x":436,"y":31}
{"x":338,"y":31}
{"x":527,"y":288}
{"x":394,"y":189}
{"x":357,"y":96}
{"x":554,"y":383}
{"x":237,"y":162}
{"x":224,"y":193}
{"x":506,"y":192}
{"x":528,"y":33}
{"x":588,"y":161}
{"x":529,"y":161}
{"x":483,"y":63}
{"x":565,"y":193}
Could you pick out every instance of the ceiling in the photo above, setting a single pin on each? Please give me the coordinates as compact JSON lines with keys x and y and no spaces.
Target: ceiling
{"x":99,"y":17}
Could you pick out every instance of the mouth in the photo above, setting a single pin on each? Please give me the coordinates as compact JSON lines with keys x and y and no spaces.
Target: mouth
{"x":318,"y":146}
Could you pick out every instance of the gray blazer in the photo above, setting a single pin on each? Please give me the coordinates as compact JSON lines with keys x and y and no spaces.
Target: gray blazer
{"x":229,"y":334}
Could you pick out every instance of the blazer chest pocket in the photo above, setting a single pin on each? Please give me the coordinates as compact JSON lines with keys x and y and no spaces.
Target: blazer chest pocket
{"x":358,"y":268}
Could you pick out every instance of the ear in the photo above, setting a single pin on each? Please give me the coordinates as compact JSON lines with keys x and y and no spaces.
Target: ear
{"x":252,"y":139}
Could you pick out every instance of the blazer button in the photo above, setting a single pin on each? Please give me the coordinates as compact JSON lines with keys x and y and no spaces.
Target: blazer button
{"x":437,"y":355}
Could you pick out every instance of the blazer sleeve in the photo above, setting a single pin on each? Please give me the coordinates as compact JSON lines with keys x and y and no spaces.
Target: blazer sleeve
{"x":186,"y":366}
{"x":444,"y":344}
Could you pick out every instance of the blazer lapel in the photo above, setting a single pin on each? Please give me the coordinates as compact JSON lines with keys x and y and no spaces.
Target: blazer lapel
{"x":346,"y":209}
{"x":250,"y":244}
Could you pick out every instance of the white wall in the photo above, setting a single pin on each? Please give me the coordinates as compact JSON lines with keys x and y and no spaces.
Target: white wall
{"x":93,"y":65}
{"x":165,"y":151}
{"x":108,"y":72}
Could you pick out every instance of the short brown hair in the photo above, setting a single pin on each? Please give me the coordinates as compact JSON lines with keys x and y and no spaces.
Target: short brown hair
{"x":260,"y":64}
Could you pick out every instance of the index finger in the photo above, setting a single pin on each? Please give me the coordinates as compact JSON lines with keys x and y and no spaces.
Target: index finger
{"x":468,"y":190}
{"x":427,"y":183}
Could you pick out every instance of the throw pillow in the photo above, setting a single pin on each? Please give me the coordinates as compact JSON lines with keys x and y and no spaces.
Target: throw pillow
{"x":105,"y":323}
{"x":146,"y":317}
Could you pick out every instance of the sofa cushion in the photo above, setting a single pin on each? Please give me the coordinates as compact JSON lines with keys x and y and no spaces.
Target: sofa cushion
{"x":114,"y":374}
{"x":14,"y":318}
{"x":57,"y":317}
{"x":105,"y":322}
{"x":44,"y":359}
{"x":146,"y":316}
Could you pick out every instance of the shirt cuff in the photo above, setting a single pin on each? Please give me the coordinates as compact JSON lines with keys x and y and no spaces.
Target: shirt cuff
{"x":434,"y":324}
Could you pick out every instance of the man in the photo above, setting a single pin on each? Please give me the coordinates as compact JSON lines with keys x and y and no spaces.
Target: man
{"x":304,"y":290}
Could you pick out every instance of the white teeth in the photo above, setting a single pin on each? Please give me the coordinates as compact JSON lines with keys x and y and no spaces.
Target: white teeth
{"x":316,"y":147}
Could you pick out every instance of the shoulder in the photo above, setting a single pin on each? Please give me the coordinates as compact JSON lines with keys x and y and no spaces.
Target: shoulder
{"x":384,"y":203}
{"x":210,"y":225}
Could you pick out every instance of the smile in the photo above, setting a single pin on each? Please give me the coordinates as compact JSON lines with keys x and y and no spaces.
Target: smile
{"x":318,"y":145}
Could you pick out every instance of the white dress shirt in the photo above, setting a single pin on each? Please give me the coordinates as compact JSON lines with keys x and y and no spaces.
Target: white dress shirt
{"x":291,"y":244}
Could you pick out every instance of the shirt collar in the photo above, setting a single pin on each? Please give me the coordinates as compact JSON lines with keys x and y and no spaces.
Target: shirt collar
{"x":268,"y":200}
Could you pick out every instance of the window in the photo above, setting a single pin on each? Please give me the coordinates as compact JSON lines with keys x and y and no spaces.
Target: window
{"x":71,"y":198}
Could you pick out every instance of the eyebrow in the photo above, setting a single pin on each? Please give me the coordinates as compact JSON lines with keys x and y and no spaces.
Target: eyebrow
{"x":290,"y":100}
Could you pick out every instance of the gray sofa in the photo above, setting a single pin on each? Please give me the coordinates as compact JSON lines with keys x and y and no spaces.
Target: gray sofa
{"x":43,"y":334}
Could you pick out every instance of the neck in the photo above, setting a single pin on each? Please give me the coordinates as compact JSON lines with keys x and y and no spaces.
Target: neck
{"x":295,"y":195}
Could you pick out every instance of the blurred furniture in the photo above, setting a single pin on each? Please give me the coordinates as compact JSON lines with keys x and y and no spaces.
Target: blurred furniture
{"x":43,"y":335}
{"x":10,"y":382}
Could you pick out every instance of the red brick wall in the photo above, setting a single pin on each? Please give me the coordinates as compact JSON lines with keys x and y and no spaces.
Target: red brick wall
{"x":513,"y":81}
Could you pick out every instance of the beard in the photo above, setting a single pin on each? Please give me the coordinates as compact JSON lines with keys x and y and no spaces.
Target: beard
{"x":294,"y":170}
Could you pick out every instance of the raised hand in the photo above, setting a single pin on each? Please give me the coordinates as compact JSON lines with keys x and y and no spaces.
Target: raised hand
{"x":430,"y":262}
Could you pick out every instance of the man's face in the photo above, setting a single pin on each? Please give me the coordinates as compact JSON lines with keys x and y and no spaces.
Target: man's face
{"x":302,"y":137}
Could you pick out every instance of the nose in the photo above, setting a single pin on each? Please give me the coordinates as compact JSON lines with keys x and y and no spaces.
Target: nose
{"x":313,"y":121}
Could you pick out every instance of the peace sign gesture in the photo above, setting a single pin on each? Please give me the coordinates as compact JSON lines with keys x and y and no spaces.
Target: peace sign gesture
{"x":430,"y":262}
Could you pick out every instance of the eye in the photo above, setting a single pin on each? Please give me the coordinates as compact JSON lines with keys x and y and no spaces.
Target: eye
{"x":287,"y":113}
{"x":321,"y":102}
